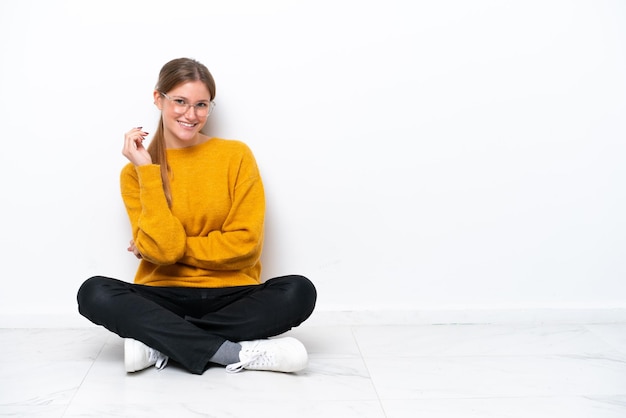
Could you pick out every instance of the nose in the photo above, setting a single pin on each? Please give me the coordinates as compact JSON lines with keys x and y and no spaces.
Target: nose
{"x":191,"y":111}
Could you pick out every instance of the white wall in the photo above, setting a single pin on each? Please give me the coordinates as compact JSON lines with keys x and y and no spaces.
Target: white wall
{"x":417,"y":155}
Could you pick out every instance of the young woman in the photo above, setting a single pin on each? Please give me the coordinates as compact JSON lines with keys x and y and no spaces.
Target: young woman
{"x":196,"y":207}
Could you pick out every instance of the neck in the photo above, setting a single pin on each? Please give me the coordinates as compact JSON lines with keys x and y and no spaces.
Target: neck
{"x":172,"y":142}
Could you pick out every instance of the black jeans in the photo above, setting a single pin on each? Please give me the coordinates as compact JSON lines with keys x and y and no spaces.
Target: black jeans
{"x":190,"y":324}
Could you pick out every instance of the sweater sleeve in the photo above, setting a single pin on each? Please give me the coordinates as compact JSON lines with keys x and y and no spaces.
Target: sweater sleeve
{"x":238,"y":244}
{"x":158,"y":234}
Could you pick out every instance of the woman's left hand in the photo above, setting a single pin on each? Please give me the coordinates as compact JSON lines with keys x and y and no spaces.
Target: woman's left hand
{"x":133,"y":249}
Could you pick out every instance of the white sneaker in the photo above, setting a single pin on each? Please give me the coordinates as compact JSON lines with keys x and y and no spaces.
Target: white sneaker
{"x":138,"y":356}
{"x":278,"y":355}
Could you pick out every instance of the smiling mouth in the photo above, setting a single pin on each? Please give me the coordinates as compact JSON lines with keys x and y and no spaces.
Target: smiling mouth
{"x":187,"y":125}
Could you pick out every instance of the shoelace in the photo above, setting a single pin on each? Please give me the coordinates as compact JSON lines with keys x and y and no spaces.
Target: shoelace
{"x":237,"y":367}
{"x":159,"y":359}
{"x":259,"y":359}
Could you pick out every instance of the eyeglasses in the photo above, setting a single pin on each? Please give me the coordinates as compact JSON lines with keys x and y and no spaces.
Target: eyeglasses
{"x":202,"y":109}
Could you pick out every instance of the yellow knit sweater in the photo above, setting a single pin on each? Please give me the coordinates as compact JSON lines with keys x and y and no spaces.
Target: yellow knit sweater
{"x":212,"y":235}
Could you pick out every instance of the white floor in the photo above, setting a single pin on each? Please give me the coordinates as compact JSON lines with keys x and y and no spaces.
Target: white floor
{"x":363,"y":371}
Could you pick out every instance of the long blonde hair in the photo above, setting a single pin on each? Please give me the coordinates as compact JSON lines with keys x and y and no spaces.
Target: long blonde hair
{"x":175,"y":72}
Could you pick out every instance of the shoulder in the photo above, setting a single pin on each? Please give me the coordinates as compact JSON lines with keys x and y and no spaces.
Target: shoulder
{"x":232,"y":148}
{"x":128,"y":171}
{"x":229,"y":144}
{"x":128,"y":178}
{"x":128,"y":168}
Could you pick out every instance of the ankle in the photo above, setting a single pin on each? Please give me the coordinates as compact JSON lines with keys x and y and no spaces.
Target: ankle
{"x":228,"y":353}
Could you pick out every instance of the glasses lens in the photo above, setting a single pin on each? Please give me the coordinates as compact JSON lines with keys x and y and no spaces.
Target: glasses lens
{"x":180,"y":107}
{"x":202,"y":110}
{"x":205,"y":109}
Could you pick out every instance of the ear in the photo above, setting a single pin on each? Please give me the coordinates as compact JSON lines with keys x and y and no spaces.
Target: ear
{"x":158,"y":99}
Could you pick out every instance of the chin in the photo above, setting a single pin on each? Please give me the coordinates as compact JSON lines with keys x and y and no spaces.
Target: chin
{"x":186,"y":135}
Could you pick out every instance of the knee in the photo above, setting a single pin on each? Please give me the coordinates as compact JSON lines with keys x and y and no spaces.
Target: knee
{"x":302,"y":293}
{"x":92,"y":295}
{"x":306,"y":288}
{"x":88,"y":290}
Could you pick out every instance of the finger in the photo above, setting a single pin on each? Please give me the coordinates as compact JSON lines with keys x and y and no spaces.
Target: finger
{"x":133,"y":148}
{"x":134,"y":140}
{"x":135,"y":132}
{"x":139,"y":138}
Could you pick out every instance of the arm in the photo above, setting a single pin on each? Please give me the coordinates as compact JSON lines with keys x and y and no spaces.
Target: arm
{"x":237,"y":244}
{"x":158,"y":236}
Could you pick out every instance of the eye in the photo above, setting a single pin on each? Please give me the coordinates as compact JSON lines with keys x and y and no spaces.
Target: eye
{"x":179,"y":102}
{"x":202,"y":105}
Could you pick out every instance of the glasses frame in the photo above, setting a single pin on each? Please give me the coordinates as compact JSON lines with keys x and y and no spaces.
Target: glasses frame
{"x":188,"y":105}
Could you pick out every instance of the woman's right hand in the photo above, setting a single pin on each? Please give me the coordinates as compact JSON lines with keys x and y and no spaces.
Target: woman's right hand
{"x":134,"y":149}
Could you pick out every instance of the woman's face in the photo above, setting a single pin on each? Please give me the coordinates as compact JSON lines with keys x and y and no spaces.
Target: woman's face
{"x":182,"y":109}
